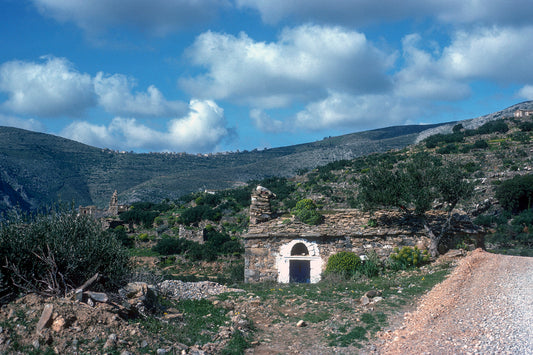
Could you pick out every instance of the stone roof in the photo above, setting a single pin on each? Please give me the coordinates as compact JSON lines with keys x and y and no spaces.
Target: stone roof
{"x":355,"y":223}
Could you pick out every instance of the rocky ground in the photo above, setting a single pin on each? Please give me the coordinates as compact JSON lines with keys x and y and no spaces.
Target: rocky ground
{"x":484,"y":306}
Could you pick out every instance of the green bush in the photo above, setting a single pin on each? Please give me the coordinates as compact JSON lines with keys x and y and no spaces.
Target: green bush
{"x":448,"y":149}
{"x":343,"y":263}
{"x":306,"y":211}
{"x":481,"y":144}
{"x":526,"y":126}
{"x":516,"y":194}
{"x":497,"y":126}
{"x":199,"y":213}
{"x":371,"y":266}
{"x":408,"y":257}
{"x":55,"y":253}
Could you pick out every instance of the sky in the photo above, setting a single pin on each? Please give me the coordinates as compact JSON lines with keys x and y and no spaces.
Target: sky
{"x":203,"y":76}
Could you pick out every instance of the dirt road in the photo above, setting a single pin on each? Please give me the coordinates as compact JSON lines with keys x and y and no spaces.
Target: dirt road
{"x":484,"y":307}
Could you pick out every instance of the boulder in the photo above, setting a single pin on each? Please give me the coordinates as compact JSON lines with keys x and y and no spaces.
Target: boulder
{"x":140,"y":298}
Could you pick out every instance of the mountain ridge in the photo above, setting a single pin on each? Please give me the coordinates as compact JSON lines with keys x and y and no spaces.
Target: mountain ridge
{"x":39,"y":169}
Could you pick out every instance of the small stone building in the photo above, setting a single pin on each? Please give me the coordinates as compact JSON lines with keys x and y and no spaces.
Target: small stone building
{"x":285,"y":250}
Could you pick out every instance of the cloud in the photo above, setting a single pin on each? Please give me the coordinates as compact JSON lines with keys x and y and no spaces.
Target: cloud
{"x":115,"y":95}
{"x":28,"y":124}
{"x":158,"y":17}
{"x":363,"y":12}
{"x":54,"y":88}
{"x":341,"y":110}
{"x":302,"y":65}
{"x":201,"y":130}
{"x":495,"y":53}
{"x":422,"y":76}
{"x":265,"y":123}
{"x":526,"y":92}
{"x":50,"y":88}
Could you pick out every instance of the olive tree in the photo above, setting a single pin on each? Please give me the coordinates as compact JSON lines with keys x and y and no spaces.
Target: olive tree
{"x":413,"y":186}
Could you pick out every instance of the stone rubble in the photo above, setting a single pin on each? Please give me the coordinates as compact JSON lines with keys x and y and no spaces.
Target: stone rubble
{"x":180,"y":290}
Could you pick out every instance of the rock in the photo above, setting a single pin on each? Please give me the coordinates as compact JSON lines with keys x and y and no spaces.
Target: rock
{"x":46,"y":318}
{"x":372,"y":293}
{"x":301,"y":323}
{"x":58,"y":324}
{"x":111,"y":341}
{"x":161,"y":352}
{"x":364,"y":300}
{"x":377,"y":299}
{"x":36,"y":344}
{"x":97,"y":296}
{"x":141,"y":297}
{"x":144,"y":344}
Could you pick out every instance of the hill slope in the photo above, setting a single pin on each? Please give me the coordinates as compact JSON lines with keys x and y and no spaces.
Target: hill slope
{"x":37,"y":169}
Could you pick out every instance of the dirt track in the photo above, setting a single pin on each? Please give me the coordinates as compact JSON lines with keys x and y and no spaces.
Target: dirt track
{"x":484,"y":307}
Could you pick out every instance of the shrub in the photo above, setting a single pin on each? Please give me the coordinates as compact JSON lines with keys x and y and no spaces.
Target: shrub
{"x":169,"y":246}
{"x":408,"y":257}
{"x":448,"y":149}
{"x":55,"y":253}
{"x":306,"y":211}
{"x":343,"y":263}
{"x":199,"y":213}
{"x":526,"y":126}
{"x":481,"y":144}
{"x":122,"y":236}
{"x":497,"y":126}
{"x":516,"y":194}
{"x":371,"y":266}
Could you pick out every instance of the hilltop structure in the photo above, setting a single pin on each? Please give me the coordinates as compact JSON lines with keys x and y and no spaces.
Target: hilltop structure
{"x":523,"y":113}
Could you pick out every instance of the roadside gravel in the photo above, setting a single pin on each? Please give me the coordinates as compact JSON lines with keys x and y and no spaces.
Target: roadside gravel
{"x":484,"y":307}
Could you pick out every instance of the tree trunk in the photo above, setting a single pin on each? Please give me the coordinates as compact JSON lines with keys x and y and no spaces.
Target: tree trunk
{"x":434,"y":241}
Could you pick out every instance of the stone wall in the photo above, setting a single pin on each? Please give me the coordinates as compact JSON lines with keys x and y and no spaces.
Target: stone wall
{"x":269,"y":245}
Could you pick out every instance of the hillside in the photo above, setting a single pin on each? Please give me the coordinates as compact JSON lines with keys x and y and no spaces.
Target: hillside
{"x":38,"y":169}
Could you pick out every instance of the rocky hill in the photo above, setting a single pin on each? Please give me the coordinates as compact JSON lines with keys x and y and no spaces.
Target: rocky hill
{"x":38,"y":169}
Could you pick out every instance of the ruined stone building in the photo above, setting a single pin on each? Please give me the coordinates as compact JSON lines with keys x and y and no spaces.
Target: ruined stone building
{"x":285,"y":250}
{"x":114,"y":208}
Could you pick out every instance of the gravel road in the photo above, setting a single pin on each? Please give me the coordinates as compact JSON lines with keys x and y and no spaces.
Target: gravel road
{"x":484,"y":307}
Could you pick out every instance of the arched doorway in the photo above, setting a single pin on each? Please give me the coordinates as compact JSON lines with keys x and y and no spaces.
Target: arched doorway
{"x":299,"y":270}
{"x":299,"y":261}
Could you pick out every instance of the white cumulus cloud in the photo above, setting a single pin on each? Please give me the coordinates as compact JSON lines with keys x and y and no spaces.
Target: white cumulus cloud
{"x":30,"y":124}
{"x":54,"y":88}
{"x":341,"y":110}
{"x":494,"y":53}
{"x":158,"y":17}
{"x":302,"y":65}
{"x":526,"y":92}
{"x":115,"y":95}
{"x":265,"y":123}
{"x":49,"y":88}
{"x":201,"y":130}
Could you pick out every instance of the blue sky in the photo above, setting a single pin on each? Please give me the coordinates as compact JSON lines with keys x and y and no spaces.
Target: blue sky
{"x":226,"y":75}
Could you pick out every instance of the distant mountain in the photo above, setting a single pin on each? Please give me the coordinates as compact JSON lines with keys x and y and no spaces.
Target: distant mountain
{"x":38,"y":169}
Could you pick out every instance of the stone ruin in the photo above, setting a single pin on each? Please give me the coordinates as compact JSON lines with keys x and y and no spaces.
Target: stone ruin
{"x":286,"y":250}
{"x":260,"y":209}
